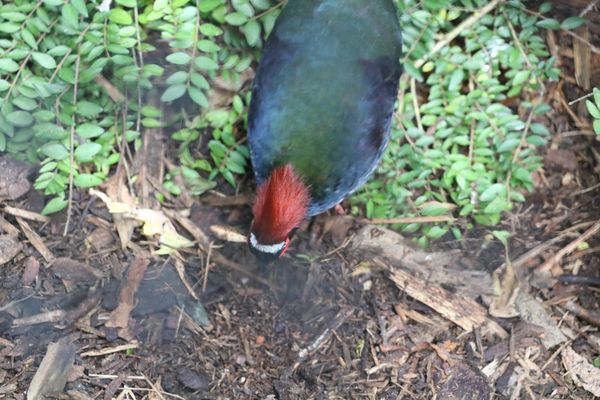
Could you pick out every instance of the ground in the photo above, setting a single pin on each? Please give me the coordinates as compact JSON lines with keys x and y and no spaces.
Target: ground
{"x":352,"y":312}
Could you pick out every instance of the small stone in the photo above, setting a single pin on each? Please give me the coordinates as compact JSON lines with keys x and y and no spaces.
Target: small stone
{"x":9,"y":248}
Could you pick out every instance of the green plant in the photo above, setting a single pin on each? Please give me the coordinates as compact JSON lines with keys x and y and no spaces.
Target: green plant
{"x":213,"y":43}
{"x":74,"y":76}
{"x":457,"y":149}
{"x":594,"y":109}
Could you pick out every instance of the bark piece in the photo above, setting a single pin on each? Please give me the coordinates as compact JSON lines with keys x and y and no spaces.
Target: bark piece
{"x":51,"y":376}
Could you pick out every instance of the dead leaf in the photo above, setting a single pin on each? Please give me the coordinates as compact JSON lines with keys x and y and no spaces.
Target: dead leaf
{"x":117,"y":190}
{"x":119,"y":317}
{"x":506,"y":288}
{"x":154,"y":223}
{"x":583,"y":373}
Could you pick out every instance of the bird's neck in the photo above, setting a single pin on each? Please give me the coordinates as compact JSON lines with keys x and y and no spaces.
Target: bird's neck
{"x":280,"y":206}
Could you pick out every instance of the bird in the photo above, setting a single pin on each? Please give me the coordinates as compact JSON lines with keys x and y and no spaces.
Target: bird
{"x":320,"y":112}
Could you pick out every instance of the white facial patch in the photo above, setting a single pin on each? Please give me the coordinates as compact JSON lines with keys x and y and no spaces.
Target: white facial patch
{"x":266,"y":248}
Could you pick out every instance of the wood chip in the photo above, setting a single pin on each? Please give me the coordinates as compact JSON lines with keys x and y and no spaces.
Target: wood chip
{"x":583,"y":373}
{"x":533,"y":311}
{"x":8,"y":228}
{"x":228,"y":234}
{"x":583,"y":59}
{"x":52,"y":374}
{"x":35,"y":240}
{"x":446,"y":269}
{"x":462,"y":311}
{"x":31,"y":270}
{"x":29,"y":215}
{"x":68,"y":269}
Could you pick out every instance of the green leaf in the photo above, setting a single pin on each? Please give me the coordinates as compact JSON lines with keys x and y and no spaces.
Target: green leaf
{"x":521,"y":77}
{"x":80,"y":7}
{"x":55,"y":151}
{"x":206,"y":63}
{"x":252,"y":32}
{"x":494,"y":191}
{"x":179,"y":58}
{"x":592,"y":109}
{"x":509,"y":145}
{"x":209,"y":5}
{"x":86,"y":152}
{"x":200,"y":81}
{"x":29,"y":39}
{"x":173,"y":93}
{"x":8,"y":65}
{"x":151,"y":123}
{"x":539,"y":129}
{"x":88,"y":109}
{"x":127,"y":3}
{"x":25,"y":103}
{"x":208,"y":46}
{"x":151,"y":112}
{"x":87,"y":180}
{"x":549,"y":23}
{"x":120,"y":16}
{"x":597,"y":126}
{"x":436,"y":232}
{"x":20,"y":118}
{"x":210,"y":30}
{"x":70,"y":15}
{"x":456,"y":80}
{"x":9,"y":27}
{"x":545,"y":7}
{"x":88,"y":131}
{"x":572,"y":23}
{"x":177,"y":77}
{"x":236,"y":19}
{"x":502,"y":236}
{"x":197,"y":96}
{"x":55,"y":205}
{"x":44,"y":60}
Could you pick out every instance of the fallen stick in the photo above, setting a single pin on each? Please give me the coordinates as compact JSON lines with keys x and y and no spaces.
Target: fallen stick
{"x":552,"y":261}
{"x":462,"y":311}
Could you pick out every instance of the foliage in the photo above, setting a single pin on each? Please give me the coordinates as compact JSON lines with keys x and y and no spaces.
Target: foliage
{"x":215,"y":40}
{"x":594,"y":109}
{"x":461,"y":150}
{"x":57,"y":56}
{"x":458,"y":148}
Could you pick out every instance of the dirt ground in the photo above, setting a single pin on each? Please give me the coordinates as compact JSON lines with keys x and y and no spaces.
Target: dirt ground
{"x":353,"y":312}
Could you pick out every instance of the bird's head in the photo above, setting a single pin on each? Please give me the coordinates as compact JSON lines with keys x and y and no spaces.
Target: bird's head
{"x":280,"y":206}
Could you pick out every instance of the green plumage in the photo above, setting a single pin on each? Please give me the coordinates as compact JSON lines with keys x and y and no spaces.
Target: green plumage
{"x":324,"y":94}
